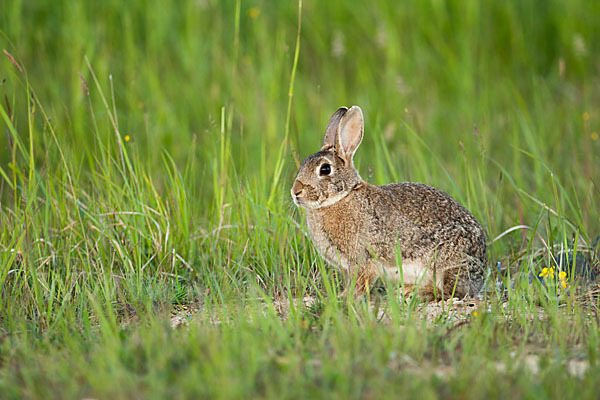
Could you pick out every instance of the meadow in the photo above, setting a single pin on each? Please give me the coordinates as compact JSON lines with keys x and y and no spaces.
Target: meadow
{"x":149,"y":247}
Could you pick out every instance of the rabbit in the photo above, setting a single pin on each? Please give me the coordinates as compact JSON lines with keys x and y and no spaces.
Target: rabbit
{"x":359,"y":227}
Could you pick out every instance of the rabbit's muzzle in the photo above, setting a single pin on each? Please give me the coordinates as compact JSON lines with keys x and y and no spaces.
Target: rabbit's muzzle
{"x":303,"y":194}
{"x":298,"y":192}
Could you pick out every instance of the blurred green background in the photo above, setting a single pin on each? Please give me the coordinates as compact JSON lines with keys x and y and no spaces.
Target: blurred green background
{"x":522,"y":72}
{"x":146,"y":157}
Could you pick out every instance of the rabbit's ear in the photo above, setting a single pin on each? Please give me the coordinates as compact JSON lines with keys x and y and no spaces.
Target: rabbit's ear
{"x":350,"y":132}
{"x":332,"y":128}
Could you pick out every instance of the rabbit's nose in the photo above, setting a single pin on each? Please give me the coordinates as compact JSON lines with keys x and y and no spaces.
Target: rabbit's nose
{"x":297,"y":189}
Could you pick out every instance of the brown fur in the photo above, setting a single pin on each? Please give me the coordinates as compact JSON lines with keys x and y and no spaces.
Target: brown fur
{"x":358,"y":227}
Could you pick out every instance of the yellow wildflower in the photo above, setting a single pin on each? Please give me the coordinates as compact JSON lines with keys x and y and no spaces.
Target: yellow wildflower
{"x":594,"y":136}
{"x":586,"y":116}
{"x":547,"y":272}
{"x":127,"y":138}
{"x":562,"y":276}
{"x":254,"y":12}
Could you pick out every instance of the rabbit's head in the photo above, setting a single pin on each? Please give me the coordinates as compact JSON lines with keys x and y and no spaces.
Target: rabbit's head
{"x":328,"y":176}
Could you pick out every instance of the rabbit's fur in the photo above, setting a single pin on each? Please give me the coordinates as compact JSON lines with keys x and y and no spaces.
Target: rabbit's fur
{"x":359,"y":227}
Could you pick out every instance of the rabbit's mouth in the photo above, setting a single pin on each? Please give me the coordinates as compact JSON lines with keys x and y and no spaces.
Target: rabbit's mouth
{"x":306,"y":204}
{"x":300,"y":200}
{"x":299,"y":193}
{"x":297,"y":200}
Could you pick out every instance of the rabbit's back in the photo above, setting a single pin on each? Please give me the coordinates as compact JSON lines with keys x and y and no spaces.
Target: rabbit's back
{"x":434,"y":220}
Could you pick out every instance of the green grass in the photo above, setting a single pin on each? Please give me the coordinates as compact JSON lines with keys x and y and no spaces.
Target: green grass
{"x":146,"y":159}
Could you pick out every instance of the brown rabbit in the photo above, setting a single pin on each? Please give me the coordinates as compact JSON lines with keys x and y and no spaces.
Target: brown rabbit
{"x":359,"y":227}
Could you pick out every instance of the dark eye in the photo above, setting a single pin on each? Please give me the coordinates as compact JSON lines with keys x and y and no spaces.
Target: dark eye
{"x":325,"y":169}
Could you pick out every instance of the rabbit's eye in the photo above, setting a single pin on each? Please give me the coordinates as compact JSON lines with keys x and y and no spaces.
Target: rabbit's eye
{"x":325,"y":169}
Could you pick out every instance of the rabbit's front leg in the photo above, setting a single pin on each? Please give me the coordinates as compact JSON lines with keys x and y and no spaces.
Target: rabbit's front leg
{"x":361,"y":281}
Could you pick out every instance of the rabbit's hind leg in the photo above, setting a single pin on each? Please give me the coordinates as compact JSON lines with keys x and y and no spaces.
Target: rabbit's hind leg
{"x":459,"y":281}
